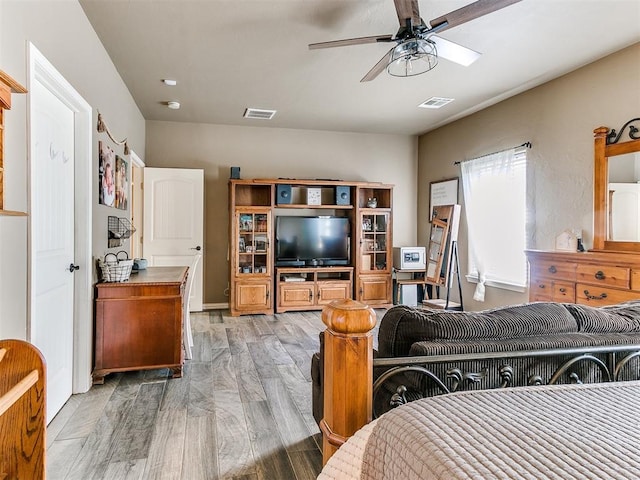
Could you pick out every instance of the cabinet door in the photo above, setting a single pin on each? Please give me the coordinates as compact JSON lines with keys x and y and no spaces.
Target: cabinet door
{"x":296,"y":294}
{"x":375,"y":242}
{"x":331,"y":291}
{"x":253,"y":296}
{"x":374,"y":289}
{"x":252,"y":249}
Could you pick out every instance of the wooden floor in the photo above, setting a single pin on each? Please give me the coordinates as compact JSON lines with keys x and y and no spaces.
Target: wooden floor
{"x":241,"y":411}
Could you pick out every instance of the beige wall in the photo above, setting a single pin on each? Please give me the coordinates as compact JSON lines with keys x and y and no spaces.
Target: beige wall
{"x":273,"y":153}
{"x":558,"y":118}
{"x":62,"y":33}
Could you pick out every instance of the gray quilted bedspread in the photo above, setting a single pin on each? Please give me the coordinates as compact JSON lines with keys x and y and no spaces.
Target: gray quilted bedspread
{"x":589,"y":432}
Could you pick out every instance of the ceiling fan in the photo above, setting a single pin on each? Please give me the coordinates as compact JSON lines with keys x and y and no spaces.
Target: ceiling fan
{"x":418,"y":48}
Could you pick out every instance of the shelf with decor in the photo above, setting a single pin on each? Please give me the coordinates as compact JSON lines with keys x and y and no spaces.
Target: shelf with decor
{"x":374,"y":233}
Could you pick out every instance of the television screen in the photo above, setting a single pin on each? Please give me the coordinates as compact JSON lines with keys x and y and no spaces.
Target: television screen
{"x":312,"y":240}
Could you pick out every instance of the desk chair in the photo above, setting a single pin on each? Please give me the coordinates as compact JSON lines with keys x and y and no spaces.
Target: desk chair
{"x":187,"y":335}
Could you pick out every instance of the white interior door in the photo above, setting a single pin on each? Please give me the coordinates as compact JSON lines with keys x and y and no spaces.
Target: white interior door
{"x":174,"y":221}
{"x":52,"y":127}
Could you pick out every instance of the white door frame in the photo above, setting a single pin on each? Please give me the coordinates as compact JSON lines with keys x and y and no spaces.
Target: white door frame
{"x":41,"y":70}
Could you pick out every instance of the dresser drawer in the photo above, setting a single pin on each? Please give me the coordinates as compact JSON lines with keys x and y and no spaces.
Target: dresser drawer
{"x":551,"y":269}
{"x":605,"y":275}
{"x":540,"y":290}
{"x":595,"y":295}
{"x":564,"y":292}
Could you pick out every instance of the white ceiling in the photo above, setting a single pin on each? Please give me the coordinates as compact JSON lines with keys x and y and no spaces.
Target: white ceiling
{"x":230,"y":55}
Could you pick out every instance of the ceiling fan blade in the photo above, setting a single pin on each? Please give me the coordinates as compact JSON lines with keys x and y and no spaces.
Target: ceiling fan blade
{"x":408,"y":9}
{"x":351,"y":41}
{"x":454,"y":52}
{"x":378,"y":67}
{"x":469,"y":12}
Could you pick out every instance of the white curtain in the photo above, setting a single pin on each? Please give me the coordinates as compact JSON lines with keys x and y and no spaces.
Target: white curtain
{"x":494,"y":193}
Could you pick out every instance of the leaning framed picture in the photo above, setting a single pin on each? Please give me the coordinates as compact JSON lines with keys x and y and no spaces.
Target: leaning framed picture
{"x":442,"y":192}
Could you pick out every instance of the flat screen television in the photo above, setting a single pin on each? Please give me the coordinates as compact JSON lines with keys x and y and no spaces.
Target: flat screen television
{"x":312,"y":241}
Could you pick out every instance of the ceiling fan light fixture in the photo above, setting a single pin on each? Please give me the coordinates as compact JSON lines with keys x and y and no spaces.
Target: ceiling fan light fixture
{"x":412,"y":57}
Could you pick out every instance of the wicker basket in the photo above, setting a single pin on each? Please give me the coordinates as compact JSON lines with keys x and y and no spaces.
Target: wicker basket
{"x":114,"y":268}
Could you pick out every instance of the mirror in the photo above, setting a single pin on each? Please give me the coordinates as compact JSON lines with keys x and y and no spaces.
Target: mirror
{"x":623,"y":217}
{"x":616,"y":187}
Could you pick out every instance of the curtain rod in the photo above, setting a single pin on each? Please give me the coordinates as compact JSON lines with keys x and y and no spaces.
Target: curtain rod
{"x":525,"y":144}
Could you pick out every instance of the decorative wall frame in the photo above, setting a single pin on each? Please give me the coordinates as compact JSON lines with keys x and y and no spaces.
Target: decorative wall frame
{"x":442,"y":192}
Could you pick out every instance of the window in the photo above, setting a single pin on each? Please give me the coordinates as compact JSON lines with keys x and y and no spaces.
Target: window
{"x":494,"y":189}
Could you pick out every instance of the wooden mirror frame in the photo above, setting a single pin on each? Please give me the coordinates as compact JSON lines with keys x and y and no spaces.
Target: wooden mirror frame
{"x":605,"y":146}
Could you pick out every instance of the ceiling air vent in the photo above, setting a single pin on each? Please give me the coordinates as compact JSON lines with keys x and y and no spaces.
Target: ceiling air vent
{"x":259,"y":114}
{"x":435,"y":102}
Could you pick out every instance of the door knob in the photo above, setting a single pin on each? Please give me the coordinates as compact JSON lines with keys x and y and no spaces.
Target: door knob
{"x":198,"y":248}
{"x":73,"y":268}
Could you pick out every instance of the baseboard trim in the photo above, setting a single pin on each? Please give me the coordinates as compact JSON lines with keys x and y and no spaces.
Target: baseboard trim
{"x":215,"y":306}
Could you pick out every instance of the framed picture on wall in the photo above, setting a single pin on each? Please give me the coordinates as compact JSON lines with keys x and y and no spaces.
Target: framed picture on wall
{"x":442,"y":192}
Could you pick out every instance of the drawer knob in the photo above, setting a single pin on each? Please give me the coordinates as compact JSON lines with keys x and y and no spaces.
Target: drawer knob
{"x":553,"y":269}
{"x":541,"y":285}
{"x":599,"y":275}
{"x":562,"y":290}
{"x":602,"y":296}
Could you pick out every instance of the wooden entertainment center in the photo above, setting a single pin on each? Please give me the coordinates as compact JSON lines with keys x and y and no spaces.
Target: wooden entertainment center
{"x":259,"y":284}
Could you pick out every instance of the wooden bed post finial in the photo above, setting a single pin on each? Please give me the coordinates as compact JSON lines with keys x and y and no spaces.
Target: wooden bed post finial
{"x":348,"y":372}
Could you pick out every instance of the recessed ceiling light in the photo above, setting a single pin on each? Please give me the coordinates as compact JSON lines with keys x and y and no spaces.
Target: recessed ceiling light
{"x":173,"y":105}
{"x":259,"y":114}
{"x":170,"y":82}
{"x":435,"y":102}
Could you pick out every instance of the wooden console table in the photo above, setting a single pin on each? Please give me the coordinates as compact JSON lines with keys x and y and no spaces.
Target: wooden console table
{"x":139,"y":322}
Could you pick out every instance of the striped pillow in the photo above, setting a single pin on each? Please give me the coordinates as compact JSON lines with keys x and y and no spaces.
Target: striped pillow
{"x":402,"y":326}
{"x":620,"y":318}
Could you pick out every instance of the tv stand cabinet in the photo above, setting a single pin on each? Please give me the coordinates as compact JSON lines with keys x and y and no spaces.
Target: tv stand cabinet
{"x":257,"y":286}
{"x":311,"y":288}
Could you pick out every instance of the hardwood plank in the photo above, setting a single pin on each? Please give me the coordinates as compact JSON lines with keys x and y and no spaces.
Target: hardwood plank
{"x":176,"y":391}
{"x":137,"y":426}
{"x":202,"y":346}
{"x":224,"y":376}
{"x":301,"y":357}
{"x":235,"y":456}
{"x":219,"y":336}
{"x":300,"y":391}
{"x":249,"y":384}
{"x":305,"y":340}
{"x":62,"y":417}
{"x":276,"y":350}
{"x":268,"y":450}
{"x":60,"y":457}
{"x":93,"y":459}
{"x":200,"y":461}
{"x":167,"y":446}
{"x":307,"y":464}
{"x":216,"y":316}
{"x":262,"y":325}
{"x":126,"y":470}
{"x":201,"y":387}
{"x":237,"y":340}
{"x":86,"y":416}
{"x":262,"y":360}
{"x":291,"y":426}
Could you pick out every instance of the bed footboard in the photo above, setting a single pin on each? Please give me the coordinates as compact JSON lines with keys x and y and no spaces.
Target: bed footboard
{"x":22,"y":411}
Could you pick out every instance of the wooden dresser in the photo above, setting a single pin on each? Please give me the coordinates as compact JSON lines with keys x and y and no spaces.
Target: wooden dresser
{"x":587,"y":278}
{"x":139,"y":322}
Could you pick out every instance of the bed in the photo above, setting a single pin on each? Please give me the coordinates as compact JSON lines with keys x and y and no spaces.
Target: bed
{"x":586,"y":432}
